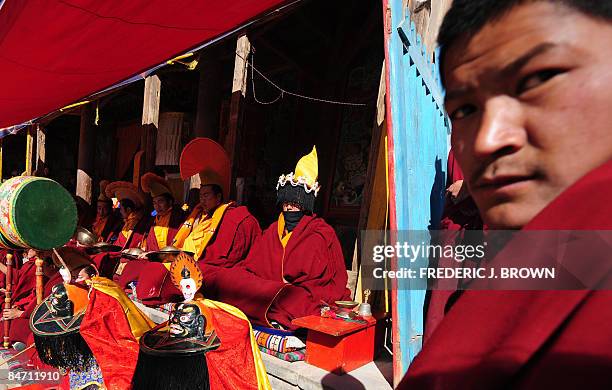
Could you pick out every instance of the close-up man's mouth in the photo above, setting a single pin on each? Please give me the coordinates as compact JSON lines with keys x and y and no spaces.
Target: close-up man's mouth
{"x":505,"y":183}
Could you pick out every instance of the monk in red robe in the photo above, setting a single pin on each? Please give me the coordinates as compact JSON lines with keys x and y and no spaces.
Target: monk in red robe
{"x":168,"y":218}
{"x":106,"y":224}
{"x":529,"y":103}
{"x":216,"y":232}
{"x":23,"y":296}
{"x":131,"y":205}
{"x":296,"y":264}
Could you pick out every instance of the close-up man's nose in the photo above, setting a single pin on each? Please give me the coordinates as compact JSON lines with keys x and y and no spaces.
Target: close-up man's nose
{"x":501,"y":129}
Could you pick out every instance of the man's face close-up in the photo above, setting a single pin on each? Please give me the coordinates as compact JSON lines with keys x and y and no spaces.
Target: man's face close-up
{"x":161,"y":204}
{"x":529,"y":98}
{"x":208,"y":199}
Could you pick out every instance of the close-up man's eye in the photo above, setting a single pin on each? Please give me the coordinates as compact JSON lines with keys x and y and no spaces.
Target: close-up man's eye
{"x":536,"y":79}
{"x":463,"y":111}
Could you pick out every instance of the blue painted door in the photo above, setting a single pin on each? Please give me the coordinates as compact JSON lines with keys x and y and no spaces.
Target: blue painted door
{"x":419,"y":133}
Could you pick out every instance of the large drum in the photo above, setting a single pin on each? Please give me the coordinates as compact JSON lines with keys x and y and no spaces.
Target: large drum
{"x":36,"y":212}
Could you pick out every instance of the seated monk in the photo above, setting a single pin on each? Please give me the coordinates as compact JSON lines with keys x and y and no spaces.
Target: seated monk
{"x":216,"y":233}
{"x":296,"y":264}
{"x":24,"y":295}
{"x":106,"y":223}
{"x":168,"y":219}
{"x":135,"y":223}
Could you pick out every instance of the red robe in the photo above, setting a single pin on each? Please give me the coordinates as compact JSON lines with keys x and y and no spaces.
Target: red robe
{"x":530,"y":339}
{"x":230,"y":245}
{"x":276,"y":284}
{"x":176,"y":220}
{"x":24,"y":297}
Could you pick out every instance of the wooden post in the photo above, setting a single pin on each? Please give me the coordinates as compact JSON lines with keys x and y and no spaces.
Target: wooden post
{"x":86,"y":154}
{"x":231,"y":141}
{"x":209,"y":95}
{"x":7,"y":297}
{"x":39,"y":279}
{"x":41,"y":158}
{"x":150,"y":121}
{"x":29,"y":150}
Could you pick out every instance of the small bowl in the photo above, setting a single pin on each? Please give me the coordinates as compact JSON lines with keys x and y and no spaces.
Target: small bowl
{"x":346,"y":304}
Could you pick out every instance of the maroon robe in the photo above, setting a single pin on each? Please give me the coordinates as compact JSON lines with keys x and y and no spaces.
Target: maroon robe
{"x":230,"y":245}
{"x":176,"y":220}
{"x":24,"y":297}
{"x":281,"y":284}
{"x":530,"y":339}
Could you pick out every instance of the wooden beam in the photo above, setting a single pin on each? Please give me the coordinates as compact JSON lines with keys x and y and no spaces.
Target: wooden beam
{"x":231,"y":140}
{"x":150,"y":121}
{"x":85,"y":162}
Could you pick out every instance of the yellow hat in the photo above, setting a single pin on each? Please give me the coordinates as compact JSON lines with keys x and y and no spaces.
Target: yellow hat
{"x":154,"y":185}
{"x":125,"y":190}
{"x":300,"y":187}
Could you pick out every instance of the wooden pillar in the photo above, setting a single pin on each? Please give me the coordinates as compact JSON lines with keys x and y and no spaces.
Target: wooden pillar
{"x":30,"y":145}
{"x":86,"y":154}
{"x":39,"y":279}
{"x":231,"y":141}
{"x":209,"y":96}
{"x":41,"y":158}
{"x":150,"y":121}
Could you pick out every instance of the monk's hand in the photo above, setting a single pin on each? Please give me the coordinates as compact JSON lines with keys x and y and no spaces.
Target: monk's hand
{"x":453,"y":190}
{"x":9,"y":314}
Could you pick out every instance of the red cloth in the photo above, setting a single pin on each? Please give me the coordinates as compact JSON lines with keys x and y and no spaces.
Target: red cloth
{"x":176,"y":220}
{"x":63,"y":54}
{"x":529,"y":339}
{"x":231,"y":366}
{"x":235,"y":234}
{"x":106,"y":263}
{"x":107,"y":332}
{"x":312,"y":266}
{"x":23,"y":296}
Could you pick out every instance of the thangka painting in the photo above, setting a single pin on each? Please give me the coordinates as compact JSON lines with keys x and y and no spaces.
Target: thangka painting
{"x":354,"y":142}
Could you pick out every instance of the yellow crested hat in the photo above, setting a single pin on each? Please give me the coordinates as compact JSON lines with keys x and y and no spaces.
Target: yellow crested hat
{"x":155,"y":185}
{"x":300,"y":187}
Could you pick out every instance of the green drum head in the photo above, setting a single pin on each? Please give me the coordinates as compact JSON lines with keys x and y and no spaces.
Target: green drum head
{"x":45,"y":214}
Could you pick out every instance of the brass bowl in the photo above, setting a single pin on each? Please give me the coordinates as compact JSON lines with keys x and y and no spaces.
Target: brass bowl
{"x":85,"y":237}
{"x":346,"y":304}
{"x":132,"y":253}
{"x":102,"y":247}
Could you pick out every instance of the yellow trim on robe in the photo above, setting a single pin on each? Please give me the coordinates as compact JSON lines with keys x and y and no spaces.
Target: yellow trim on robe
{"x":260,"y":370}
{"x":161,"y":228}
{"x":139,"y":322}
{"x":201,"y":234}
{"x":284,"y":238}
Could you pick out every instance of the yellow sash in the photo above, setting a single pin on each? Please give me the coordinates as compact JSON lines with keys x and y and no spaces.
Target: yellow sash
{"x":284,"y":238}
{"x":162,"y":225}
{"x":139,"y":322}
{"x":200,"y":235}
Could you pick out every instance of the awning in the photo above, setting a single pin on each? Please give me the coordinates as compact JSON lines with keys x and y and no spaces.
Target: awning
{"x":57,"y":52}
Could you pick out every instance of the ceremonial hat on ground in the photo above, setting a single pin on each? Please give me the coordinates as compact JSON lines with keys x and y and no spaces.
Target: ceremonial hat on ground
{"x":300,"y":187}
{"x":172,"y":355}
{"x":155,"y":185}
{"x":72,"y":257}
{"x":55,"y":323}
{"x":205,"y":157}
{"x":125,"y":190}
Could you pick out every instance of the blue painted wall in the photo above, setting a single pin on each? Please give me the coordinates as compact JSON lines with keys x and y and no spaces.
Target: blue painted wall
{"x":421,"y":138}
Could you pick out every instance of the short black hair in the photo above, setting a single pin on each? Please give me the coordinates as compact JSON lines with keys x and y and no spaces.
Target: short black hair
{"x":216,"y":189}
{"x":127,"y":203}
{"x":468,"y":17}
{"x":169,"y":198}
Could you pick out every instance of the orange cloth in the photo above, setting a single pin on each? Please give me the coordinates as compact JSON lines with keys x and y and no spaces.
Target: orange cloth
{"x":162,"y":224}
{"x":99,"y":225}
